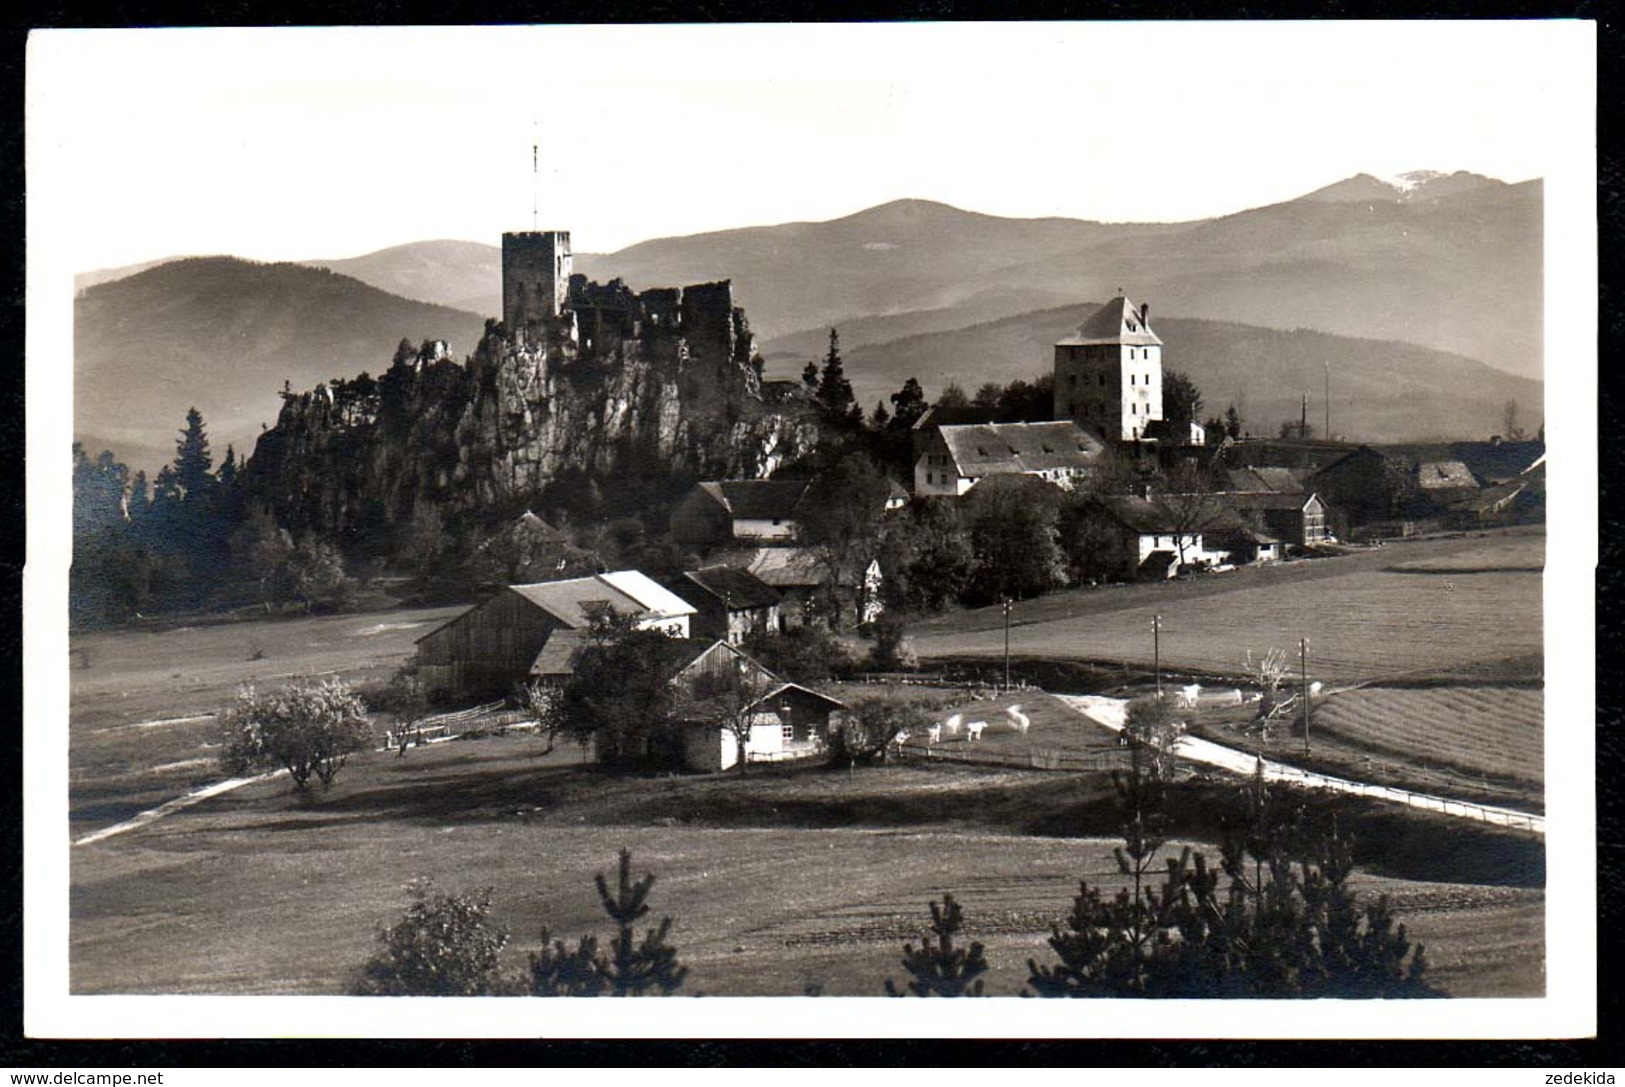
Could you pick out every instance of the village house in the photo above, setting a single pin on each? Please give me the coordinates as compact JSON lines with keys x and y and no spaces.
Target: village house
{"x":755,"y":511}
{"x":529,"y":633}
{"x":1131,"y":537}
{"x":730,"y":603}
{"x":717,"y":689}
{"x":809,"y":585}
{"x":950,"y":460}
{"x":1444,"y":483}
{"x":1297,"y":520}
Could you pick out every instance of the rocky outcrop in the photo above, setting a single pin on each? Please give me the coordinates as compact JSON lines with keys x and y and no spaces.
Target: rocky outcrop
{"x":647,"y":386}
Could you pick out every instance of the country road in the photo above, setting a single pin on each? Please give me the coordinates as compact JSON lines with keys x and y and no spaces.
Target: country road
{"x":1110,"y":712}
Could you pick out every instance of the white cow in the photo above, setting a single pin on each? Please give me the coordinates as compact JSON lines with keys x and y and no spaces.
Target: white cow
{"x":974,"y":730}
{"x":951,"y":725}
{"x":933,"y":734}
{"x":1189,"y":695}
{"x":901,"y":738}
{"x":1017,"y":718}
{"x":1314,"y":689}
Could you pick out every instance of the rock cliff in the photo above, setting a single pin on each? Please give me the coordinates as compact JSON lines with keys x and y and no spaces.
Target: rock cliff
{"x":658,"y":385}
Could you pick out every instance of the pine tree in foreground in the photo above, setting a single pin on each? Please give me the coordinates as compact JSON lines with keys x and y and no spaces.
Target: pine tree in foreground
{"x":941,"y":969}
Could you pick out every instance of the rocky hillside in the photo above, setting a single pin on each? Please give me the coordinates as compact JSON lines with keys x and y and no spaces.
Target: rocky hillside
{"x":666,"y":404}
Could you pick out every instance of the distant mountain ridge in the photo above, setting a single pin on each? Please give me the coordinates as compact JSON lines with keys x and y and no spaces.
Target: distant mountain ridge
{"x":1449,"y":261}
{"x":1381,"y":391}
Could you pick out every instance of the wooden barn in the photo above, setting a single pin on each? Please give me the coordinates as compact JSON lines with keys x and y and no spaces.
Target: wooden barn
{"x":520,"y":633}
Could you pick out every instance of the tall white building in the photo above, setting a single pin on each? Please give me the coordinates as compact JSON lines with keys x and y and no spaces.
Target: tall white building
{"x":1108,"y":374}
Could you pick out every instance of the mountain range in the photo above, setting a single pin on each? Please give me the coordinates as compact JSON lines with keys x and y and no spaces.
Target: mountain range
{"x":1451,"y":262}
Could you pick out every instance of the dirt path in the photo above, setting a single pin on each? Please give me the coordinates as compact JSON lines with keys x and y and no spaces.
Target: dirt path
{"x":1111,"y":712}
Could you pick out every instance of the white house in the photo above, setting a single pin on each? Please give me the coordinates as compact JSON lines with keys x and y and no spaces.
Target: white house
{"x":950,"y":460}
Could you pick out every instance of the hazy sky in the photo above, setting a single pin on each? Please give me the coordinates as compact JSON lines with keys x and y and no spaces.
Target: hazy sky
{"x":287,"y":144}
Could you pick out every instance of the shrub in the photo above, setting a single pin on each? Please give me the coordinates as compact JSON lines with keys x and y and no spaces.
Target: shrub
{"x":445,"y":945}
{"x":306,"y":728}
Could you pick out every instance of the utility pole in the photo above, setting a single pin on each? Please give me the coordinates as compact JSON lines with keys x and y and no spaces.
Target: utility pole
{"x":1156,"y":650}
{"x":1328,"y":434}
{"x":535,"y":171}
{"x":1303,"y":419}
{"x":1005,"y":602}
{"x":1303,"y":672}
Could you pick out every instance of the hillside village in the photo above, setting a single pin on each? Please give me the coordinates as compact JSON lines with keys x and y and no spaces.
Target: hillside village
{"x":1134,"y":486}
{"x":631,"y":537}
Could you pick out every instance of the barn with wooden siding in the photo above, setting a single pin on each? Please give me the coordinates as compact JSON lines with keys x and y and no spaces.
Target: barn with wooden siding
{"x":502,"y":642}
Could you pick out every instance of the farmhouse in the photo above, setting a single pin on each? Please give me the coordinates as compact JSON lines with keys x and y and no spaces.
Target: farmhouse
{"x":528,"y":632}
{"x":810,"y":586}
{"x":718,"y":696}
{"x":1445,"y":482}
{"x":727,"y":511}
{"x":950,"y":460}
{"x":730,"y":603}
{"x":1133,"y":537}
{"x":1295,"y":519}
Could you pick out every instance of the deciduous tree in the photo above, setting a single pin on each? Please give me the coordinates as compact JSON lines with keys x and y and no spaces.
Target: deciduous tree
{"x":305,"y":728}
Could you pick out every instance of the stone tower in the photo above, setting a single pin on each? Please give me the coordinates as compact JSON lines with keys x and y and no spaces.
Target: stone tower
{"x":1108,"y":374}
{"x":535,"y":276}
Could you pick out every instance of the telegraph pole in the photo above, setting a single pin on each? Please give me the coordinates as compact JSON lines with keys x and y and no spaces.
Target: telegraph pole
{"x":1156,"y":650}
{"x":1005,"y":602}
{"x":535,"y":171}
{"x":1328,"y":434}
{"x":1303,"y":672}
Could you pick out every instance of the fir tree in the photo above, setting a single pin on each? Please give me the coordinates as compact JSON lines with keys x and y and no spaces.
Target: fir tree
{"x":633,"y":968}
{"x":192,"y":460}
{"x":809,"y":376}
{"x":941,"y":969}
{"x":227,"y":475}
{"x":557,"y":970}
{"x":881,"y":417}
{"x":834,"y":390}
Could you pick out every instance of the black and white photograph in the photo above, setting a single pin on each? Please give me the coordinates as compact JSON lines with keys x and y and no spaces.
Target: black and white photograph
{"x":866,"y":512}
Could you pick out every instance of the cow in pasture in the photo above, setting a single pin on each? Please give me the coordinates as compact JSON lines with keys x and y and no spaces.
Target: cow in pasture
{"x":951,"y":725}
{"x":933,"y":734}
{"x":1189,"y":695}
{"x":900,"y":739}
{"x":1017,"y":718}
{"x":1314,"y":689}
{"x":974,"y":729}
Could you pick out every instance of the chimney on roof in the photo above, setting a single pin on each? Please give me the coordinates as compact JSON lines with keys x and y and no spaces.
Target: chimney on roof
{"x":1145,"y":314}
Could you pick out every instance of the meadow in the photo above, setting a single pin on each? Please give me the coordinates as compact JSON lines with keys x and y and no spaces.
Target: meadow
{"x":781,"y":882}
{"x":1476,"y":613}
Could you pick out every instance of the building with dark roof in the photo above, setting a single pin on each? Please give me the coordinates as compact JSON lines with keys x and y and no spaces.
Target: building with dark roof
{"x":718,"y":512}
{"x":1296,"y":519}
{"x":1108,"y":374}
{"x":950,"y":460}
{"x":1130,"y":537}
{"x":730,"y":603}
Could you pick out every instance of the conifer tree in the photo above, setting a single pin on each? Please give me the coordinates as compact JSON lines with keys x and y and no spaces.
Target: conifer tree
{"x":881,"y":417}
{"x":834,"y":390}
{"x":633,"y":968}
{"x":192,"y":460}
{"x":809,"y":376}
{"x":227,"y":475}
{"x":557,"y":970}
{"x":908,"y":404}
{"x":941,"y":969}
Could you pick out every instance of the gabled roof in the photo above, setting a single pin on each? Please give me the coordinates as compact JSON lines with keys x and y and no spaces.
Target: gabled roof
{"x":1117,"y":322}
{"x":655,"y":598}
{"x":758,"y":499}
{"x":1435,"y":475}
{"x":627,"y":592}
{"x":555,"y":657}
{"x":735,"y":587}
{"x":1250,"y":480}
{"x":573,"y":601}
{"x":786,"y":567}
{"x":1266,"y":500}
{"x":994,"y":448}
{"x":1162,"y":517}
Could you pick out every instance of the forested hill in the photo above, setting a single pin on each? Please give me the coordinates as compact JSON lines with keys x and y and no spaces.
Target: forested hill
{"x":1380,"y":390}
{"x":224,"y":335}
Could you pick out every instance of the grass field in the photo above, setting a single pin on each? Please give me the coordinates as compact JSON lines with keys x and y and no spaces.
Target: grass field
{"x":780,"y":883}
{"x":141,"y":729}
{"x":1487,"y":730}
{"x":1365,"y":619}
